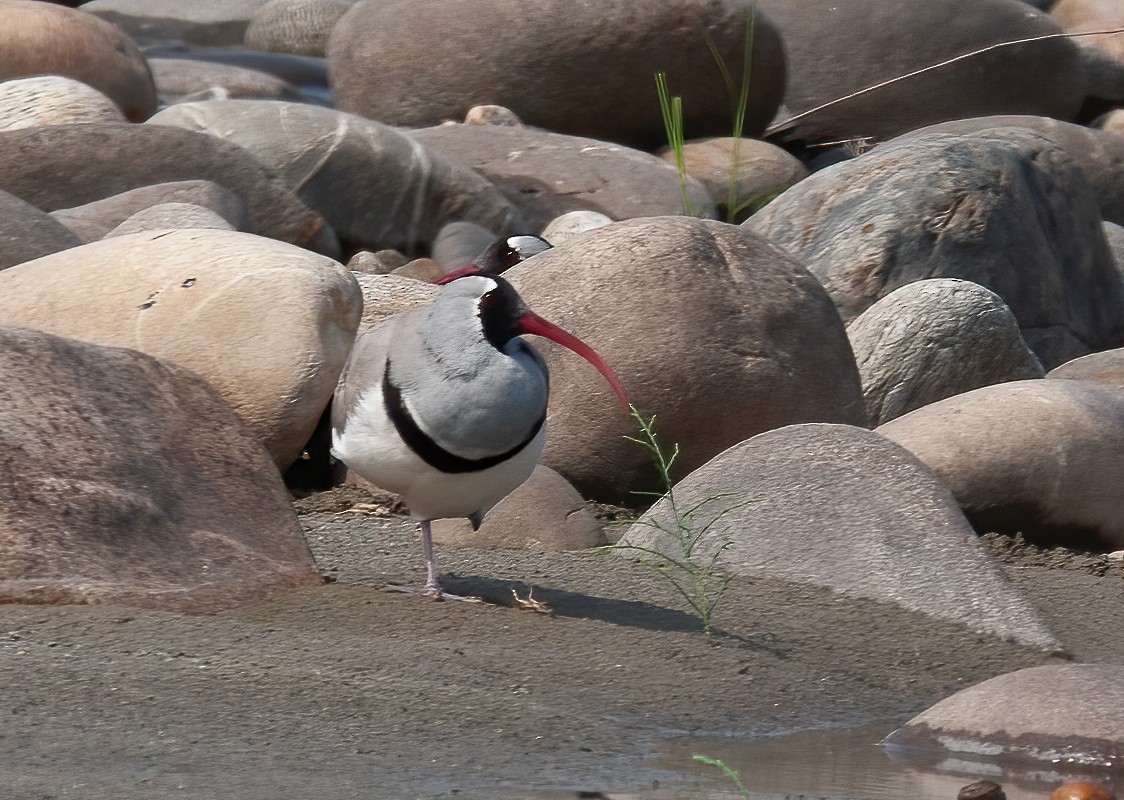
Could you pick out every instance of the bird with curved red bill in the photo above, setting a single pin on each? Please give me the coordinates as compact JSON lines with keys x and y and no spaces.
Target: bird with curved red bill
{"x":445,"y":405}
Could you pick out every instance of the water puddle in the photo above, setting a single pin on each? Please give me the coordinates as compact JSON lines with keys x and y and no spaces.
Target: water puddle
{"x":829,"y":765}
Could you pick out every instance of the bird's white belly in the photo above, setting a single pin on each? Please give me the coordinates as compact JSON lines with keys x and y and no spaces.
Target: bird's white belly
{"x":370,"y":445}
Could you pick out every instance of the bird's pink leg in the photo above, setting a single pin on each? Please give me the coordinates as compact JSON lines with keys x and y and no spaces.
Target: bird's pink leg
{"x":432,"y":583}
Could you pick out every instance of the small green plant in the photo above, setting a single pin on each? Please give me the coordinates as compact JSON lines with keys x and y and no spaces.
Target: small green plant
{"x":672,"y":110}
{"x":690,"y":567}
{"x":730,"y":773}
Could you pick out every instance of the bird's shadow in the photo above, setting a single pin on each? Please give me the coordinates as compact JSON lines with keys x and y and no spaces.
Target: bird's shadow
{"x":631,"y":613}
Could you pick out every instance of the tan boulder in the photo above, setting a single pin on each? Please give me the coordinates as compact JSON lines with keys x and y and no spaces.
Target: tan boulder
{"x":268,"y":324}
{"x":1040,"y":457}
{"x":130,"y":480}
{"x":47,"y":39}
{"x":713,"y":329}
{"x":545,"y":513}
{"x":300,"y":27}
{"x":1105,"y":367}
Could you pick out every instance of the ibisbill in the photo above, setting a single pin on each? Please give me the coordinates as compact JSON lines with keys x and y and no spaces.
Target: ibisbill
{"x":445,"y":405}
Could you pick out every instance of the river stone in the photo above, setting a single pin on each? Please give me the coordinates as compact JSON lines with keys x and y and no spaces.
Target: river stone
{"x":268,"y":324}
{"x":842,"y":507}
{"x":762,"y":170}
{"x":545,"y":513}
{"x":53,"y":100}
{"x":47,"y":39}
{"x":1106,"y":367}
{"x":491,"y":115}
{"x":205,"y":22}
{"x":459,"y":243}
{"x":103,"y":159}
{"x":294,"y":26}
{"x":711,"y":328}
{"x":1099,"y":154}
{"x":835,"y":49}
{"x":1114,"y":235}
{"x":933,"y":339}
{"x":1113,"y":122}
{"x":130,"y":480}
{"x":1082,"y":16}
{"x":376,"y":187}
{"x":171,"y":215}
{"x":1072,"y":714}
{"x":384,"y":295}
{"x":547,"y":174}
{"x":1040,"y":457}
{"x":183,"y":79}
{"x":1011,"y":213}
{"x":586,"y":73}
{"x":93,"y":221}
{"x":573,"y":223}
{"x":27,"y":233}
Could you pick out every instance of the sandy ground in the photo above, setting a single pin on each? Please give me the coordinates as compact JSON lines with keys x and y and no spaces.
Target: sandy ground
{"x":349,"y":691}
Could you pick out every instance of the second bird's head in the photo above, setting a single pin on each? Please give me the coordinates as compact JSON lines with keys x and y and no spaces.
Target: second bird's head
{"x":504,"y":315}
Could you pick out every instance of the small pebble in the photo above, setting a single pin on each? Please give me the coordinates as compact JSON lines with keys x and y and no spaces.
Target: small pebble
{"x":982,"y":790}
{"x":1082,"y":790}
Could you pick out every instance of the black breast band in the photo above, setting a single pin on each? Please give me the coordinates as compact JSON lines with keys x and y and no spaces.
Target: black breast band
{"x":430,"y":451}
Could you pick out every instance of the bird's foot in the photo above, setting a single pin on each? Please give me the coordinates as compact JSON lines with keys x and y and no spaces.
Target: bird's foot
{"x":435,"y":593}
{"x":529,"y":603}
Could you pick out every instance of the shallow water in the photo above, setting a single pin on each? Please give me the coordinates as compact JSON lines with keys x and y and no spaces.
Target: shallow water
{"x":828,"y":765}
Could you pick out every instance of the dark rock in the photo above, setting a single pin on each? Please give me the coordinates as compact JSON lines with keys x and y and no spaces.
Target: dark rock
{"x":27,"y":233}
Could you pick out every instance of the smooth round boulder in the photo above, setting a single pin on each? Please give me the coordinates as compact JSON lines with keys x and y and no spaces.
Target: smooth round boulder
{"x":459,"y":243}
{"x":27,"y":233}
{"x":1012,"y":213}
{"x":268,"y":324}
{"x":1098,"y":154}
{"x":92,"y":221}
{"x":376,"y":187}
{"x":1044,"y":458}
{"x":841,"y":507}
{"x":836,"y":49}
{"x":130,"y":480}
{"x":103,"y":159}
{"x":1070,"y":713}
{"x":586,"y":73}
{"x":933,"y":339}
{"x":1084,"y":16}
{"x":171,"y":215}
{"x":301,"y":27}
{"x":573,"y":223}
{"x":544,"y":513}
{"x":47,"y":39}
{"x":52,"y":100}
{"x":713,"y":329}
{"x":548,"y":174}
{"x":186,"y":79}
{"x":759,"y":171}
{"x":1105,"y":367}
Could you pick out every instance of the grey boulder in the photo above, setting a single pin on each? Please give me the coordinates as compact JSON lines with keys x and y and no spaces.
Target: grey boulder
{"x":27,"y":233}
{"x":933,"y":339}
{"x":1012,"y":213}
{"x":841,"y":507}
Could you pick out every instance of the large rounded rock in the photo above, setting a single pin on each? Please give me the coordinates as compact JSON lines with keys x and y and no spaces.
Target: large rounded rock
{"x":92,"y":162}
{"x":547,"y":174}
{"x":714,"y":330}
{"x":842,"y":507}
{"x":92,"y":221}
{"x":1098,"y":154}
{"x":183,"y":79}
{"x":46,"y":39}
{"x":1069,"y":714}
{"x":294,"y":26}
{"x":933,"y":339}
{"x":53,"y":100}
{"x":1083,"y":16}
{"x":27,"y":233}
{"x":835,"y":49}
{"x":587,"y":72}
{"x":1012,"y":213}
{"x":130,"y":480}
{"x":268,"y":324}
{"x":206,"y":22}
{"x":1041,"y":457}
{"x":1105,"y":367}
{"x":171,"y":215}
{"x":376,"y":187}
